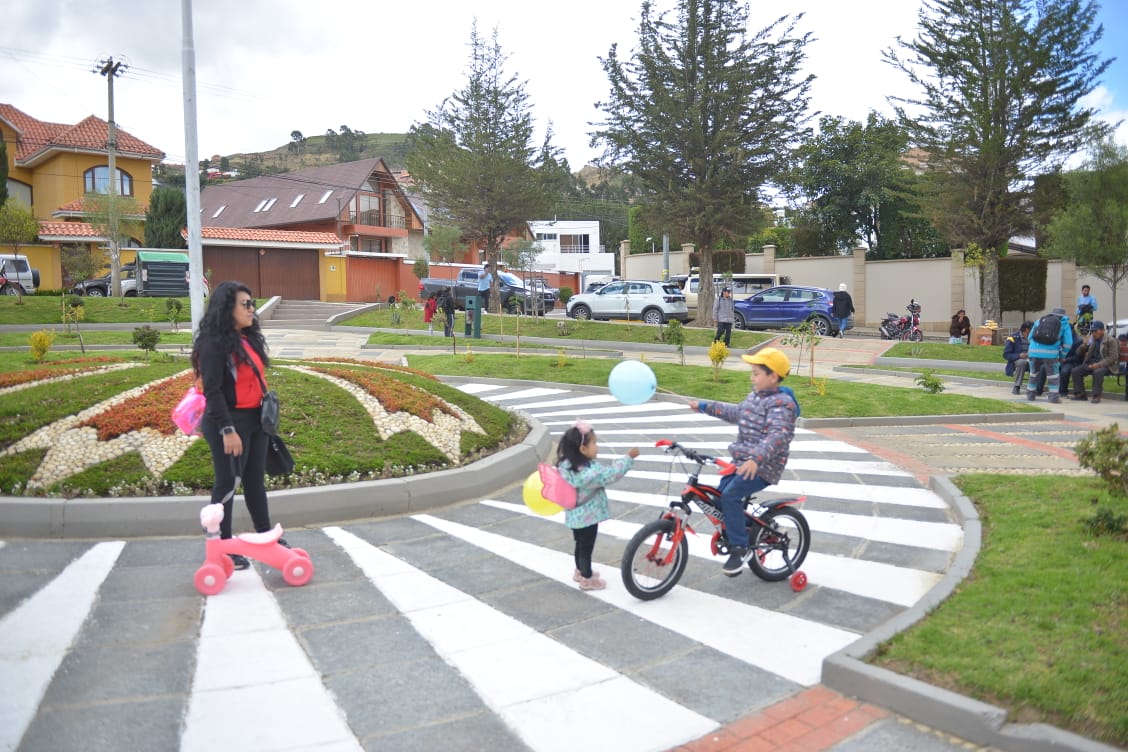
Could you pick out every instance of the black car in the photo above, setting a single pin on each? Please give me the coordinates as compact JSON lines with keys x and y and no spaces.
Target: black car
{"x":99,"y":287}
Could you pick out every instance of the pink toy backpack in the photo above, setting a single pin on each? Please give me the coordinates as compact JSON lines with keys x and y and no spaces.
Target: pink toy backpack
{"x":556,"y":489}
{"x":188,"y":412}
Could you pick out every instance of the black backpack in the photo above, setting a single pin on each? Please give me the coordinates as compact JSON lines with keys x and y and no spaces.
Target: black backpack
{"x":1047,"y":330}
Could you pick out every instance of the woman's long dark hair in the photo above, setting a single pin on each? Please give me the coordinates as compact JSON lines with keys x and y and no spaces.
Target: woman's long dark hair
{"x":217,"y":325}
{"x":569,"y":448}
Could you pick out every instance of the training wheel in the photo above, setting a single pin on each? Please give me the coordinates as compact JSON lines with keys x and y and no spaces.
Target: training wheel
{"x":798,"y":581}
{"x":210,"y":579}
{"x":715,"y":543}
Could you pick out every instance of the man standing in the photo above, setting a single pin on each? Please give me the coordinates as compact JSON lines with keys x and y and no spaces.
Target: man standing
{"x":1015,"y":352}
{"x":1046,"y":353}
{"x":484,"y":280}
{"x":842,"y":308}
{"x":1101,"y":359}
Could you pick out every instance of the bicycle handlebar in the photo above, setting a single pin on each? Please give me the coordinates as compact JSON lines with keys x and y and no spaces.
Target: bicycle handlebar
{"x":726,"y":467}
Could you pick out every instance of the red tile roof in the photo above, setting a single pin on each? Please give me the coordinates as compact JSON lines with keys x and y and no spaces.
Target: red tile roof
{"x":78,"y":207}
{"x":270,"y":236}
{"x":68,"y":230}
{"x":36,"y":137}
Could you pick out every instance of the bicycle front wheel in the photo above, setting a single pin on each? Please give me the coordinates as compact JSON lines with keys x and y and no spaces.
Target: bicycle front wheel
{"x":652,"y":562}
{"x":780,"y":545}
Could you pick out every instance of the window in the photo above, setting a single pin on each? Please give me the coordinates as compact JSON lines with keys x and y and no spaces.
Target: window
{"x":219,"y":211}
{"x":367,"y":245}
{"x":269,"y":204}
{"x":326,"y":196}
{"x":546,"y":236}
{"x":638,"y":288}
{"x":265,"y":204}
{"x":297,"y":200}
{"x":96,"y":180}
{"x":19,"y":191}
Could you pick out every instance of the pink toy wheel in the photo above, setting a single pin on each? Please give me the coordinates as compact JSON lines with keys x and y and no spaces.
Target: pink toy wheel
{"x":228,"y":565}
{"x":798,"y":581}
{"x":297,"y":571}
{"x":210,"y":579}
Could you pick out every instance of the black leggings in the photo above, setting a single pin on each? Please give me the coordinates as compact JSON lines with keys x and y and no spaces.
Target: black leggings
{"x":585,"y":545}
{"x":248,"y":424}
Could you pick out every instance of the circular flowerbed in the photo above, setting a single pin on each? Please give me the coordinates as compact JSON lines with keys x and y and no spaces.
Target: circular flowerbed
{"x":102,"y":426}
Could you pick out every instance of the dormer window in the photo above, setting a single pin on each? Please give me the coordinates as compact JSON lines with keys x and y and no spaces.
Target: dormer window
{"x":325,"y":197}
{"x":265,"y":204}
{"x":97,"y":180}
{"x":219,"y":211}
{"x":297,"y":200}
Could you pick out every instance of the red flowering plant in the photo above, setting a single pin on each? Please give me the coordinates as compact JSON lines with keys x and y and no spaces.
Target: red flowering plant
{"x":150,"y":409}
{"x":385,"y":366}
{"x":15,"y":378}
{"x":394,"y":395}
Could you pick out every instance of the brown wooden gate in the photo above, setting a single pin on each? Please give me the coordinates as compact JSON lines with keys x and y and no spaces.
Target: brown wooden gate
{"x":291,"y":274}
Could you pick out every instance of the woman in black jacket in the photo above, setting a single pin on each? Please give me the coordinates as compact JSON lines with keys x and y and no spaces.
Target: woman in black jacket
{"x":229,"y":356}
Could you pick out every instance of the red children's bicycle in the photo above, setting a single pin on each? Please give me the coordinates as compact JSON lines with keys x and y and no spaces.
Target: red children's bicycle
{"x":656,"y":556}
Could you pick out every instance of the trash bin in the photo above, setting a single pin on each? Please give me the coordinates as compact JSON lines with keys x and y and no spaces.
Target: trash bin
{"x":473,"y":317}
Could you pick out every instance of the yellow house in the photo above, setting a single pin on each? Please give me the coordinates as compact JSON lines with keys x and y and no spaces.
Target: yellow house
{"x":51,"y":166}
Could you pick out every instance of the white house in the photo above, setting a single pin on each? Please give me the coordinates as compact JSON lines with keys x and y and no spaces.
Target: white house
{"x":572,"y":246}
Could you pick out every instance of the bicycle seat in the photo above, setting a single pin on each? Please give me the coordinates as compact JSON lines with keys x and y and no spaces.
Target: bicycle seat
{"x":262,"y":539}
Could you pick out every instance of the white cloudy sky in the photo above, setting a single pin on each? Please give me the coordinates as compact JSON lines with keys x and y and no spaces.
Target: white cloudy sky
{"x":268,"y":67}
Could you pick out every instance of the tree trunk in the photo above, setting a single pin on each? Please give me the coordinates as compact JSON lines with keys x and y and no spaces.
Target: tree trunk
{"x":989,"y":288}
{"x":705,"y":293}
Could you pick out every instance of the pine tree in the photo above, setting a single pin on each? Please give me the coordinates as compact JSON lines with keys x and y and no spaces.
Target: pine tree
{"x":166,"y":216}
{"x":474,"y":159}
{"x":703,"y":115}
{"x":1001,"y":83}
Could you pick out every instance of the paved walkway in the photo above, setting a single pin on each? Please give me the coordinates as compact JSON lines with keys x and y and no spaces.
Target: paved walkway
{"x":819,"y":718}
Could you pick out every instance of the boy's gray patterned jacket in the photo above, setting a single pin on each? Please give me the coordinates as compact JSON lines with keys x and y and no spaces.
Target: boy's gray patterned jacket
{"x":765,"y":426}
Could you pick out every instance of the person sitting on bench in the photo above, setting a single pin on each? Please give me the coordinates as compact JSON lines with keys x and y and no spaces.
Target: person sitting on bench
{"x":1101,"y":359}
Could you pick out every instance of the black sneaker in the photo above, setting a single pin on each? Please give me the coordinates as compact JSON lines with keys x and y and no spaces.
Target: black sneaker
{"x":240,"y":561}
{"x":738,"y":557}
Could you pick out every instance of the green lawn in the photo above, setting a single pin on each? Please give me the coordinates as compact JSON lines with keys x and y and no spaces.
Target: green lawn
{"x":938,"y":351}
{"x":19,"y":339}
{"x":47,"y":309}
{"x":1039,"y":627}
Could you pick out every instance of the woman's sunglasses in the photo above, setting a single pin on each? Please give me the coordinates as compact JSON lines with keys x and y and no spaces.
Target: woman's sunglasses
{"x":248,"y":304}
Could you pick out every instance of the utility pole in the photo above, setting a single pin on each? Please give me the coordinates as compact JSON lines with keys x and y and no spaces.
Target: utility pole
{"x":112,"y":70}
{"x":192,"y":166}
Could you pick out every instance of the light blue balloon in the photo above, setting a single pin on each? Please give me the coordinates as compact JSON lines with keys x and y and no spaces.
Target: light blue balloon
{"x":632,"y":382}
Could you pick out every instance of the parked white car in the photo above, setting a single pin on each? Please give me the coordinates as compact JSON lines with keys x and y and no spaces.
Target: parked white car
{"x":651,"y":302}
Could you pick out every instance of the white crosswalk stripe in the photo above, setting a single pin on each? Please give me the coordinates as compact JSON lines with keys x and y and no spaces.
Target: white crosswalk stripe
{"x":485,"y":593}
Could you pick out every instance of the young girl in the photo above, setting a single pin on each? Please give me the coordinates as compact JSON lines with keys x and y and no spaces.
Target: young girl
{"x":429,"y":313}
{"x":576,"y":459}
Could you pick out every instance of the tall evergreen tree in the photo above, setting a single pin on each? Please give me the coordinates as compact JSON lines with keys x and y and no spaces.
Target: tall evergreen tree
{"x":704,"y":114}
{"x":1000,"y":88}
{"x":166,"y":216}
{"x":474,"y":159}
{"x":3,"y":172}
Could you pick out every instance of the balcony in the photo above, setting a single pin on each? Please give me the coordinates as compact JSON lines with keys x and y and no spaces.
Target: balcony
{"x":362,"y":223}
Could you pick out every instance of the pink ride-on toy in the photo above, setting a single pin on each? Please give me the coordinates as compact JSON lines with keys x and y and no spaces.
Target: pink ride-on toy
{"x":294,"y":563}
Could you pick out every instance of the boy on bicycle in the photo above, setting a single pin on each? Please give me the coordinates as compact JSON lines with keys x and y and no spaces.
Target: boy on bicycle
{"x":765,"y":426}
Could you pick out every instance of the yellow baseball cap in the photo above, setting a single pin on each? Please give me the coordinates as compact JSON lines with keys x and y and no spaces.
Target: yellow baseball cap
{"x":770,"y":357}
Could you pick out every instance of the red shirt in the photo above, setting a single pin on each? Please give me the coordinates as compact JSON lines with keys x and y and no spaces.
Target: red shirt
{"x":248,"y":390}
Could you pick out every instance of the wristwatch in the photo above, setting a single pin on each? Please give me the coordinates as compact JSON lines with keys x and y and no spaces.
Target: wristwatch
{"x":227,"y":430}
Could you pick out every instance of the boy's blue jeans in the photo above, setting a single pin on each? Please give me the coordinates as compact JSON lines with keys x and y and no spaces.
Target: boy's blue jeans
{"x":733,"y":489}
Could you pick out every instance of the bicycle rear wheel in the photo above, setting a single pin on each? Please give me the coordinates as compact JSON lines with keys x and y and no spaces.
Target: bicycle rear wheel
{"x":785,"y":538}
{"x":652,"y":563}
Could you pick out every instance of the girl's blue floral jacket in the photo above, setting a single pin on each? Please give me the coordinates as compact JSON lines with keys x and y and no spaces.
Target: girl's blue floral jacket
{"x":590,"y":492}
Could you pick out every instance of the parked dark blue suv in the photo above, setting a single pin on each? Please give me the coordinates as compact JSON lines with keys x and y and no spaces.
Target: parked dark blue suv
{"x":786,"y":306}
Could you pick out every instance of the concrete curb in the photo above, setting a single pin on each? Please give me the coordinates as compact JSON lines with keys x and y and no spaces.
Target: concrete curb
{"x":134,"y":517}
{"x":977,"y":722}
{"x":927,"y":420}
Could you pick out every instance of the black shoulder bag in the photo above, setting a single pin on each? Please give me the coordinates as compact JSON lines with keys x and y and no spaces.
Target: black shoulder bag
{"x":270,"y":404}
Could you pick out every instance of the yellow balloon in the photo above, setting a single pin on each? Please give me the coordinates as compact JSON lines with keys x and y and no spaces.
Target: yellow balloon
{"x":531,"y":493}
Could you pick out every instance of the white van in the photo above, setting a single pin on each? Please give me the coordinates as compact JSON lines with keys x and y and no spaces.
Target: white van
{"x":743,"y":286}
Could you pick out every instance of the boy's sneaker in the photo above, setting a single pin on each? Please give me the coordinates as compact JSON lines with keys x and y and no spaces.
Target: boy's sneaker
{"x":1054,"y":398}
{"x":240,"y":561}
{"x":738,"y":557}
{"x":595,"y":582}
{"x":1030,"y":394}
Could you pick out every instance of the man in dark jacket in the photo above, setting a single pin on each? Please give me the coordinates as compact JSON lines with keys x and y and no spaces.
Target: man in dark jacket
{"x":1101,"y":359}
{"x":1015,"y":352}
{"x":842,"y":308}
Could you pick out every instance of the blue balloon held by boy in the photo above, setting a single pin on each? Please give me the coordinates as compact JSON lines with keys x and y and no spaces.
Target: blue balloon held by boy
{"x":632,"y":382}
